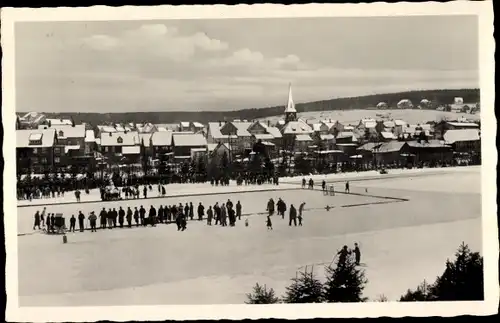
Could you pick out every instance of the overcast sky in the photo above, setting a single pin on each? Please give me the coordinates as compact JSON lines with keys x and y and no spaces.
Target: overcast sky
{"x":228,"y":64}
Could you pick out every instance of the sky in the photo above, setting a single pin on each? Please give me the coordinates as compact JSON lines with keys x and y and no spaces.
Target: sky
{"x":231,"y":64}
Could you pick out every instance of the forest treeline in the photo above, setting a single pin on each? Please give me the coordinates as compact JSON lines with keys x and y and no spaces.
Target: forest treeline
{"x":438,"y":97}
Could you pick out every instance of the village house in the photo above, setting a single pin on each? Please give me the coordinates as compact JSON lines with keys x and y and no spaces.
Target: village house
{"x":35,"y":150}
{"x":58,"y":122}
{"x":443,"y":126}
{"x":147,"y":127}
{"x":430,"y":151}
{"x":464,"y":140}
{"x":90,"y":143}
{"x":70,"y":147}
{"x":392,"y":152}
{"x":121,"y":147}
{"x":186,"y":146}
{"x":30,"y":120}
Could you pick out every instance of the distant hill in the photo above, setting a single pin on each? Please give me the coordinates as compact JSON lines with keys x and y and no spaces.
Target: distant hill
{"x":353,"y":103}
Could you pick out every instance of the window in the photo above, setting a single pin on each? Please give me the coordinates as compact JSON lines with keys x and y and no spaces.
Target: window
{"x":57,"y":150}
{"x":106,"y":149}
{"x":119,"y":140}
{"x":44,"y":160}
{"x":61,"y":133}
{"x":56,"y":160}
{"x":35,"y":151}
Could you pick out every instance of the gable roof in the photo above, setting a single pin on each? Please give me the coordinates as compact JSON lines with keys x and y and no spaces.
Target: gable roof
{"x":388,"y":147}
{"x":297,"y":128}
{"x":23,"y":137}
{"x":89,"y":136}
{"x":460,"y":135}
{"x":188,"y":140}
{"x":162,"y":138}
{"x":387,"y":135}
{"x":145,"y":138}
{"x":59,"y":122}
{"x":128,"y":139}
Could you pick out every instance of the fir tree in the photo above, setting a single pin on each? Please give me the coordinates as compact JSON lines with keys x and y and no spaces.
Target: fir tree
{"x":421,"y":294}
{"x":345,"y":282}
{"x":463,"y":279}
{"x":261,"y":295}
{"x":305,"y":288}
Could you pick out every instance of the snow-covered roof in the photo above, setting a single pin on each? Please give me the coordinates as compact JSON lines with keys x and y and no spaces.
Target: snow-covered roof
{"x":145,"y":138}
{"x":297,"y":128}
{"x":59,"y":122}
{"x":264,"y":136}
{"x":71,"y":147}
{"x":198,"y":125}
{"x":458,"y":135}
{"x":327,"y":137}
{"x":399,"y":122}
{"x":189,"y":140}
{"x":274,"y":131}
{"x":46,"y":136}
{"x":67,"y":131}
{"x":161,"y":138}
{"x":391,"y":146}
{"x":131,"y":150}
{"x":185,"y":124}
{"x":120,"y":139}
{"x":389,"y":124}
{"x":303,"y":137}
{"x":464,"y":124}
{"x":346,"y":134}
{"x":388,"y":135}
{"x":89,"y":136}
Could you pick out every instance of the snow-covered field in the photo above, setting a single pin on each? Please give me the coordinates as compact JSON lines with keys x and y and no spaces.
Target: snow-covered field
{"x":402,"y":243}
{"x":354,"y":116}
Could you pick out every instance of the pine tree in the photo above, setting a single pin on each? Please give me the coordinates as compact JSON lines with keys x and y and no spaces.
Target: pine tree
{"x":345,"y":282}
{"x":421,"y":294}
{"x":261,"y":295}
{"x":463,"y":279}
{"x":305,"y":288}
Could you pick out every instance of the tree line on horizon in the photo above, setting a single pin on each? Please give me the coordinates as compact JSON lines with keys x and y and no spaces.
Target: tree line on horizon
{"x":437,"y":97}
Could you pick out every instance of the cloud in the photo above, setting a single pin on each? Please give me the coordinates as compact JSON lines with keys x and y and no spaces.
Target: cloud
{"x":157,"y":40}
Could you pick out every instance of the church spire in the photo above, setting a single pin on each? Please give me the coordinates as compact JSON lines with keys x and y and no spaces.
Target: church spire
{"x":290,"y":111}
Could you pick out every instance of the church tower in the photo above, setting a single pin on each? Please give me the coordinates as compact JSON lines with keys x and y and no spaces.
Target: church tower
{"x":290,"y":111}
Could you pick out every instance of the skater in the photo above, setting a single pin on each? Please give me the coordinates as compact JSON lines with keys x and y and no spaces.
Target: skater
{"x":163,"y":191}
{"x":184,"y":222}
{"x":323,"y":187}
{"x":103,"y":217}
{"x":301,"y":209}
{"x":81,"y":217}
{"x":93,"y":220}
{"x":269,"y":223}
{"x":145,"y":192}
{"x":292,"y":216}
{"x":136,"y":216}
{"x":37,"y":220}
{"x":121,"y":216}
{"x":201,"y":212}
{"x":347,"y":187}
{"x":210,"y":214}
{"x":303,"y":182}
{"x":129,"y":217}
{"x":191,"y":211}
{"x":311,"y":184}
{"x":72,"y":223}
{"x":357,"y":253}
{"x":238,"y":210}
{"x":110,"y":219}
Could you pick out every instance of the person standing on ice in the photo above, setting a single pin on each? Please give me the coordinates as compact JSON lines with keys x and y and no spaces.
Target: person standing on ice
{"x":103,"y":218}
{"x":210,"y":214}
{"x":223,"y":215}
{"x":136,"y":216}
{"x":301,"y":208}
{"x":110,"y":219}
{"x":269,"y":223}
{"x":238,"y":210}
{"x":303,"y":182}
{"x":152,"y":216}
{"x":72,"y":223}
{"x":186,"y":210}
{"x":93,"y":220}
{"x":121,"y":216}
{"x":357,"y":253}
{"x":81,"y":217}
{"x":201,"y":212}
{"x":191,"y":211}
{"x":311,"y":184}
{"x":129,"y":217}
{"x":323,"y":186}
{"x":270,"y":207}
{"x":292,"y":215}
{"x":217,"y":212}
{"x":142,"y":215}
{"x":347,"y":187}
{"x":37,"y":220}
{"x":42,"y":217}
{"x":145,"y":192}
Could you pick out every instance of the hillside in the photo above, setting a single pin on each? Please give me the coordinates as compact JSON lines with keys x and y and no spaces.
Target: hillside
{"x":341,"y":104}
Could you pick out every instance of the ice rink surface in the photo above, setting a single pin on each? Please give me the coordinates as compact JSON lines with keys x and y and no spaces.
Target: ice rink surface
{"x":402,"y":243}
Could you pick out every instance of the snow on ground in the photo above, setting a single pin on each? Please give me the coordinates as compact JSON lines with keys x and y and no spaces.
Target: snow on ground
{"x":402,"y":243}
